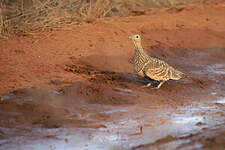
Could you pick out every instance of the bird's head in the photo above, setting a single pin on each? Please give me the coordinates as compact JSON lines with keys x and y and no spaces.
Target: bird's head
{"x":136,"y":38}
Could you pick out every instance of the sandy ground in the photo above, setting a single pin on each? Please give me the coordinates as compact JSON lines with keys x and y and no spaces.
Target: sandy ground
{"x":74,"y":88}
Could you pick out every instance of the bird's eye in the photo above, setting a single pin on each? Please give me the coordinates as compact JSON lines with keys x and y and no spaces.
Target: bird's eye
{"x":137,"y":36}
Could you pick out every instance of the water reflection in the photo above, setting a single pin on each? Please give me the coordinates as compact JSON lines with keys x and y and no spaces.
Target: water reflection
{"x":221,"y":101}
{"x":188,"y":120}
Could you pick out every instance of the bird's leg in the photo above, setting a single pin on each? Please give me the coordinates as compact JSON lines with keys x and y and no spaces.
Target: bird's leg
{"x":160,"y":84}
{"x":148,"y":85}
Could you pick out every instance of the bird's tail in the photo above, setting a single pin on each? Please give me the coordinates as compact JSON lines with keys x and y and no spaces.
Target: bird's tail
{"x":200,"y":82}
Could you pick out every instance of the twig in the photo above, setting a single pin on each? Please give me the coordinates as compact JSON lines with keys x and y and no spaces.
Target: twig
{"x":44,"y":5}
{"x":22,"y":6}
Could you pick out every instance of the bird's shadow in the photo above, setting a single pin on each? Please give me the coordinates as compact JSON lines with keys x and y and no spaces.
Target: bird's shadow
{"x":105,"y":76}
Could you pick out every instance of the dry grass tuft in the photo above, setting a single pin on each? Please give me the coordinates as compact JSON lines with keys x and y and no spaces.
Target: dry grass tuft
{"x":22,"y":17}
{"x":1,"y":21}
{"x":94,"y":9}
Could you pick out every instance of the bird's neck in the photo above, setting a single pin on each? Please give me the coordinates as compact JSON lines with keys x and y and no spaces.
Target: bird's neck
{"x":139,"y":50}
{"x":138,"y":45}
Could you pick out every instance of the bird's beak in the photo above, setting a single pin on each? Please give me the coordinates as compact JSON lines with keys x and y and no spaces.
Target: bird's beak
{"x":130,"y":37}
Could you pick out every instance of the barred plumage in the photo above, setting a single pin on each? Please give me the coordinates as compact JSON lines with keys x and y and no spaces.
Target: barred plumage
{"x":153,"y":68}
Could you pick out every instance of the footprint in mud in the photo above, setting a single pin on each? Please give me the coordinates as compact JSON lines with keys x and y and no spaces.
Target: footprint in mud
{"x":95,"y":94}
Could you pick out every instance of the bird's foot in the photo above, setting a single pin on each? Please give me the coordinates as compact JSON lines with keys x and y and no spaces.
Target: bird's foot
{"x":155,"y":88}
{"x":152,"y":86}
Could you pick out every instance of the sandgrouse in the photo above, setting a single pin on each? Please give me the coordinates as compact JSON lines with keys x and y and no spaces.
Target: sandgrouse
{"x":153,"y":68}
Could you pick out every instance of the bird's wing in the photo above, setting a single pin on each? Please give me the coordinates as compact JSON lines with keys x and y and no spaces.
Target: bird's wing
{"x":159,"y":70}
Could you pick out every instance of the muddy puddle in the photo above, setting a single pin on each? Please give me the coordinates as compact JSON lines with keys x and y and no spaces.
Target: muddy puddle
{"x":110,"y":110}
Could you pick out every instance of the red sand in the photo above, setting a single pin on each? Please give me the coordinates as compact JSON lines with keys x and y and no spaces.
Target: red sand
{"x":99,"y":56}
